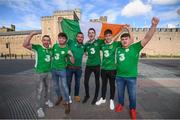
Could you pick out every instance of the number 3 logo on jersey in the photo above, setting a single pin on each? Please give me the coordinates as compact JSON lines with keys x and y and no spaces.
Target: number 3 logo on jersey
{"x":47,"y":59}
{"x":106,"y":53}
{"x":92,"y":51}
{"x":121,"y":57}
{"x":56,"y":56}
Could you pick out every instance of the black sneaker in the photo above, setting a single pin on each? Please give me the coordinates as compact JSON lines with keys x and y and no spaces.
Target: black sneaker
{"x":85,"y":99}
{"x":94,"y":101}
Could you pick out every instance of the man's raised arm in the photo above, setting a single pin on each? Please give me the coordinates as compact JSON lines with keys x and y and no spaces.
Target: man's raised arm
{"x":150,"y":33}
{"x":27,"y":40}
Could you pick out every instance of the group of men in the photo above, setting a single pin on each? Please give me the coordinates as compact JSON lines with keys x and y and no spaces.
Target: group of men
{"x":118,"y":63}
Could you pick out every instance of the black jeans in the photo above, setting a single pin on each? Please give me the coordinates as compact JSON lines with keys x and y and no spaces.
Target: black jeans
{"x":88,"y":71}
{"x":105,"y":76}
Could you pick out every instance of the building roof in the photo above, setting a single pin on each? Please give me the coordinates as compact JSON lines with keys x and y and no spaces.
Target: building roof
{"x":19,"y":32}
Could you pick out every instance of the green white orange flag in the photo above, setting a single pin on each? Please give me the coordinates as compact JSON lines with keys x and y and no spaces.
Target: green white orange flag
{"x":71,"y":27}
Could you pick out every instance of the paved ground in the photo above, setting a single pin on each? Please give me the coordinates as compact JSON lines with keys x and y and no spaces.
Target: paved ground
{"x":158,"y":93}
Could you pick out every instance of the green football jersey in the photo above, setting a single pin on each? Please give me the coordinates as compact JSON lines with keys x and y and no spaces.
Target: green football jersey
{"x":42,"y":58}
{"x":78,"y":51}
{"x":108,"y":59}
{"x":93,"y":51}
{"x":60,"y":55}
{"x":127,"y":60}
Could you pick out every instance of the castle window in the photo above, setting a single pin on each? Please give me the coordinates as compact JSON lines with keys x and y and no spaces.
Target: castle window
{"x":159,"y":38}
{"x":136,"y":38}
{"x":170,"y":38}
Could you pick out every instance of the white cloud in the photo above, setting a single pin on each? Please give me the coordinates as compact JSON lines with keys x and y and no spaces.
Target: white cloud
{"x":27,"y":22}
{"x":136,"y":8}
{"x":164,"y":2}
{"x":168,"y":15}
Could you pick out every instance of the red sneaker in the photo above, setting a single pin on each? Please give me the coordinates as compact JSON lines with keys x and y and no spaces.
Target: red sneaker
{"x":133,"y":114}
{"x":118,"y":108}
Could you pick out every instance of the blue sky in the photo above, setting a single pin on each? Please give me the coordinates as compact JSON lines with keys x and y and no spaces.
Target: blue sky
{"x":26,"y":14}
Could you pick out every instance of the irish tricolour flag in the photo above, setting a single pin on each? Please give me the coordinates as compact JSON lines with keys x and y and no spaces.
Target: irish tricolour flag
{"x":71,"y":27}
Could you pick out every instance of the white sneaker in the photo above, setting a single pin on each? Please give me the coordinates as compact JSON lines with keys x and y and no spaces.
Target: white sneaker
{"x":101,"y":101}
{"x":49,"y":103}
{"x":40,"y":113}
{"x":111,"y":104}
{"x":70,"y":100}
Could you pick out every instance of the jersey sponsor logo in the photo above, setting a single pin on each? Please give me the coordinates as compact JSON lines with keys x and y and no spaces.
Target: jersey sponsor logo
{"x":62,"y":52}
{"x":127,"y":50}
{"x":95,"y":44}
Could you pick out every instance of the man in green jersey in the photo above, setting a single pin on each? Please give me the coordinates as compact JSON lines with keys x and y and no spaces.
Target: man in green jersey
{"x":127,"y":58}
{"x":59,"y":63}
{"x":75,"y":69}
{"x":108,"y":66}
{"x":92,"y":49}
{"x":42,"y":68}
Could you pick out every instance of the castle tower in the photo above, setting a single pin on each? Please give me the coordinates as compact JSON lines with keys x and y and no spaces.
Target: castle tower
{"x":51,"y":26}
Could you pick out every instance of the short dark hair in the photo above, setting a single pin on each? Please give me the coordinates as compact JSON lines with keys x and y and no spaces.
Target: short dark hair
{"x":61,"y":34}
{"x":79,"y":33}
{"x":125,"y":35}
{"x":107,"y":31}
{"x":46,"y":36}
{"x":92,"y":29}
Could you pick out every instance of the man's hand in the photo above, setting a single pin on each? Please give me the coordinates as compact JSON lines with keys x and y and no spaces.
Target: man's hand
{"x":154,"y":21}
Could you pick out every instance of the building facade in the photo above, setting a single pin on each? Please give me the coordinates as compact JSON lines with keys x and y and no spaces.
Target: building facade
{"x":11,"y":42}
{"x":165,"y":42}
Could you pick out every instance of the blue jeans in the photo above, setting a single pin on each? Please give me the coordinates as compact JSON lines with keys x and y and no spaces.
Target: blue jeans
{"x":77,"y":74}
{"x":60,"y":84}
{"x":130,"y":82}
